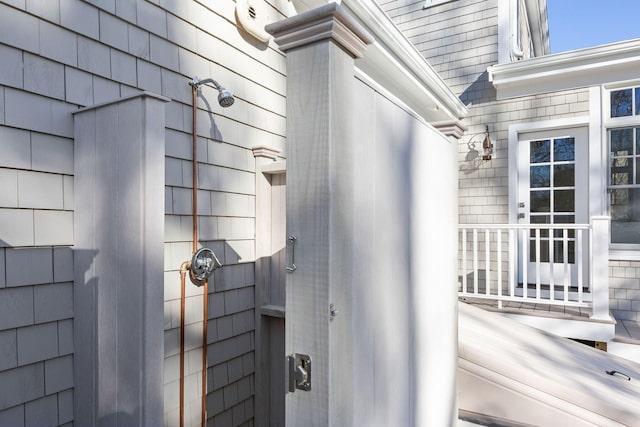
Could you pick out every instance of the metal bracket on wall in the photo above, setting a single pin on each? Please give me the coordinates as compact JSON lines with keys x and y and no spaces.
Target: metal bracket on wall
{"x":299,"y":372}
{"x":292,"y":240}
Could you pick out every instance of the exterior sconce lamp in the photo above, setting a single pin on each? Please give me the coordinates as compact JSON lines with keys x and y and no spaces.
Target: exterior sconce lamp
{"x":487,"y":146}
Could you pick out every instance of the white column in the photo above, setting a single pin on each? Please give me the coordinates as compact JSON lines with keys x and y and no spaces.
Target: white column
{"x":321,"y":46}
{"x":118,"y":262}
{"x":600,"y":267}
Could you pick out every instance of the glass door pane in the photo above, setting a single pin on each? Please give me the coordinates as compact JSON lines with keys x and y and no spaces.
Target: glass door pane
{"x":552,"y":196}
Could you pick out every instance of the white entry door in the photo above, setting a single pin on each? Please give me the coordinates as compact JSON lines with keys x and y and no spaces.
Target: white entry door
{"x":552,"y":189}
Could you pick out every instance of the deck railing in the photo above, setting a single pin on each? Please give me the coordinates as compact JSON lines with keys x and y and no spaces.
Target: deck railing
{"x":509,"y":262}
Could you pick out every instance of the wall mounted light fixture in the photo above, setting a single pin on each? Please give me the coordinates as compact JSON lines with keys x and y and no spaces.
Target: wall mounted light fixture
{"x":487,"y":146}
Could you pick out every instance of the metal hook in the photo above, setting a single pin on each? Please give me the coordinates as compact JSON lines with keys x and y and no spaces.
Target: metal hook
{"x":292,"y":268}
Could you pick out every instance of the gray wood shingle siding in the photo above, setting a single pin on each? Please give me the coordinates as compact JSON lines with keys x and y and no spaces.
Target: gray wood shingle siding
{"x":61,"y":55}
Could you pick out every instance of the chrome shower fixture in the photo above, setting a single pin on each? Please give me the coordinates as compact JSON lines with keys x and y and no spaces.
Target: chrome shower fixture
{"x":225,"y":97}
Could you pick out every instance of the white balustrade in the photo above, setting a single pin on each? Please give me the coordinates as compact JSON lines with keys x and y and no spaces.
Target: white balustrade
{"x":515,"y":262}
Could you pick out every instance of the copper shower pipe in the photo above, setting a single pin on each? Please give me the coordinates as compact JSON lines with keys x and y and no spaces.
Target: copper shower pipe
{"x":205,"y":288}
{"x":205,"y":305}
{"x":183,"y":271}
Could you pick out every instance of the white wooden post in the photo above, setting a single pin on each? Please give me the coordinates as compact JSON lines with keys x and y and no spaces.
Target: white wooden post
{"x":600,"y":267}
{"x":118,"y":262}
{"x":321,"y":45}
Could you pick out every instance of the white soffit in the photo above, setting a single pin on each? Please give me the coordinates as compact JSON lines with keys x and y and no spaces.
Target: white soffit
{"x":394,"y":63}
{"x":570,"y":70}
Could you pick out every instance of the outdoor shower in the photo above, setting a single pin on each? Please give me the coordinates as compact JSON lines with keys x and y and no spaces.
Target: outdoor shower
{"x":203,"y":261}
{"x":225,"y":97}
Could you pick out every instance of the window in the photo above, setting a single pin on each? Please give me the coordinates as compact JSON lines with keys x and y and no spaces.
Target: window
{"x":625,"y":102}
{"x":624,"y":167}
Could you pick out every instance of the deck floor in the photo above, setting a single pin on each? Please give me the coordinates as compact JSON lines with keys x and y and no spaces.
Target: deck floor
{"x":532,"y":309}
{"x":626,"y":330}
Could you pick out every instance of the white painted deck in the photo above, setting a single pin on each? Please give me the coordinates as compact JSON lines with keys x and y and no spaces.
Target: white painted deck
{"x":566,"y":321}
{"x":523,"y":376}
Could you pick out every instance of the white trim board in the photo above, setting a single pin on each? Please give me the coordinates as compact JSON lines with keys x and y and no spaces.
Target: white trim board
{"x":398,"y":66}
{"x":569,"y":70}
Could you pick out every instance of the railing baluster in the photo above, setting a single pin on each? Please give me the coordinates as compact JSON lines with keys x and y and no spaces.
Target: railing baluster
{"x":525,"y":263}
{"x":551,"y":246}
{"x":464,"y":260}
{"x":513,"y":259}
{"x":579,"y":261}
{"x":475,"y":260}
{"x":537,"y":263}
{"x":565,"y":258}
{"x":487,"y":258}
{"x":523,"y":245}
{"x":499,"y":281}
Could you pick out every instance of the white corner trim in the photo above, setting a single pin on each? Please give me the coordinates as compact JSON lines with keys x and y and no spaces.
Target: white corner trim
{"x":570,"y":70}
{"x":274,"y":168}
{"x":598,"y":163}
{"x":539,"y":24}
{"x":394,"y":62}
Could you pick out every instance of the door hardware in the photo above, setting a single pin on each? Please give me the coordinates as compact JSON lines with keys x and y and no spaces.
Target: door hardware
{"x":299,"y":372}
{"x":292,"y":240}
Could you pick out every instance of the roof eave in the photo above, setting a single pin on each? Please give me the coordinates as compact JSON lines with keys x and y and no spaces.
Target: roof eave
{"x":569,"y":70}
{"x":396,"y":64}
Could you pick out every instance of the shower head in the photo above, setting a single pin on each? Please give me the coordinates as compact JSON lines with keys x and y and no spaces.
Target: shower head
{"x":225,"y":97}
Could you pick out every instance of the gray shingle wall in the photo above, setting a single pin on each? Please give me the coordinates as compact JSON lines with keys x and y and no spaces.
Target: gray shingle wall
{"x":624,"y":291}
{"x":56,"y":56}
{"x":36,"y":336}
{"x":460,"y":40}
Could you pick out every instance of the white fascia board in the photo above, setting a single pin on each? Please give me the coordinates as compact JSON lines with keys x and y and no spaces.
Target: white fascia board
{"x":569,"y":70}
{"x":395,"y":63}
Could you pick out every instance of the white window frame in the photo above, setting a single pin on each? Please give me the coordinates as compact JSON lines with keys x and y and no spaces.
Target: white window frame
{"x":620,"y":251}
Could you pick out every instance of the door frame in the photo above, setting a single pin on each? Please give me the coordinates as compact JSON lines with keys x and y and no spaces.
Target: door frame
{"x":581,"y":190}
{"x":594,"y":171}
{"x":269,"y":313}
